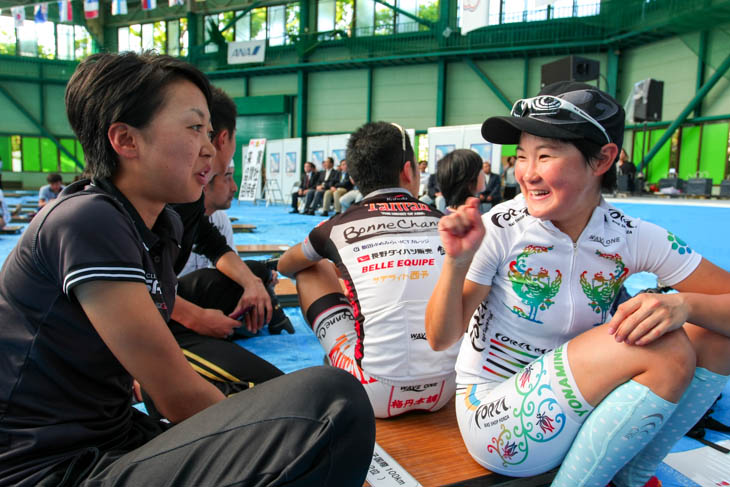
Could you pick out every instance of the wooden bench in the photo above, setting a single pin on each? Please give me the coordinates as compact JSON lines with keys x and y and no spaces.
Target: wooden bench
{"x":286,"y":293}
{"x":243,"y":227}
{"x":261,"y":249}
{"x":429,"y":447}
{"x":10,"y":229}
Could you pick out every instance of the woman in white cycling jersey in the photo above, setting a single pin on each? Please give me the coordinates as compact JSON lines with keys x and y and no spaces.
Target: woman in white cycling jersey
{"x":545,"y":374}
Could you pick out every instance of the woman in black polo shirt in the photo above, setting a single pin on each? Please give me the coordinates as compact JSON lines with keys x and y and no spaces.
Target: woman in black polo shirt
{"x":85,"y":296}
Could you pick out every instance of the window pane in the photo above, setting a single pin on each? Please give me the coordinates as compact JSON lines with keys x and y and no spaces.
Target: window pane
{"x":243,"y":27}
{"x":65,"y":34}
{"x":344,"y":11}
{"x":49,"y":155}
{"x":159,"y":37}
{"x":276,"y":25}
{"x":384,"y":18}
{"x":68,"y":165}
{"x":82,"y":42}
{"x":513,"y":10}
{"x":123,"y":39}
{"x":588,"y":7}
{"x":46,"y":39}
{"x":148,"y":34}
{"x":429,"y":10}
{"x":562,"y":9}
{"x":258,"y":23}
{"x":15,"y":147}
{"x":27,"y":39}
{"x":173,"y":37}
{"x":7,"y":35}
{"x":135,"y":38}
{"x":224,"y":19}
{"x":407,"y":24}
{"x":31,"y":154}
{"x":211,"y":22}
{"x":364,"y":18}
{"x":325,"y":15}
{"x":534,"y":12}
{"x":184,"y":36}
{"x":292,"y":20}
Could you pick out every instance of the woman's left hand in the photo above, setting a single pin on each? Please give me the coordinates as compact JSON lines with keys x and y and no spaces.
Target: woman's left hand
{"x":646,"y":317}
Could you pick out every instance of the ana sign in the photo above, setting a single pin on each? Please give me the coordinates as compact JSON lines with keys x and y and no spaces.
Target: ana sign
{"x":246,"y":52}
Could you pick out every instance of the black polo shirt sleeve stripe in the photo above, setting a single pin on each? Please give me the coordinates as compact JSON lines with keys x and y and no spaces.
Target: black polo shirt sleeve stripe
{"x":89,"y":238}
{"x":102,"y":273}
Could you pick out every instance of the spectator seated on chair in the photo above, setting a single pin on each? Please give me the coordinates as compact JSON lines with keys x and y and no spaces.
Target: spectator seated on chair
{"x":376,"y":331}
{"x":306,"y":189}
{"x":327,"y":179}
{"x":338,"y":190}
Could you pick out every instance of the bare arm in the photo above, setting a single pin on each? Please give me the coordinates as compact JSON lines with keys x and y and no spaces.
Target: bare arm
{"x":294,"y":261}
{"x":141,"y":341}
{"x":703,"y":300}
{"x":454,"y":299}
{"x":255,"y":301}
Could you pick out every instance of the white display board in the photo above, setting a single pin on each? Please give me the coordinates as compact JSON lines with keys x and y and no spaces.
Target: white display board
{"x":442,"y":140}
{"x":283,"y":164}
{"x":250,"y":188}
{"x":317,"y":150}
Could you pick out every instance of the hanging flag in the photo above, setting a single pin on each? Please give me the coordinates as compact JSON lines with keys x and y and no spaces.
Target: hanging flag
{"x":91,"y":9}
{"x":41,"y":13}
{"x":119,"y":7}
{"x":65,"y":11}
{"x":173,"y":3}
{"x":149,"y":4}
{"x":18,"y":15}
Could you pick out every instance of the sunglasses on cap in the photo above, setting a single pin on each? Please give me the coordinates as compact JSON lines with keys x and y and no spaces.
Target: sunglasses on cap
{"x":555,"y":108}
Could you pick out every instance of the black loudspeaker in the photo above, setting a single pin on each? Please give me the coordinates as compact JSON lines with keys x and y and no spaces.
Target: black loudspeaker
{"x":648,"y":100}
{"x":725,"y":188}
{"x":699,"y":186}
{"x":571,"y":68}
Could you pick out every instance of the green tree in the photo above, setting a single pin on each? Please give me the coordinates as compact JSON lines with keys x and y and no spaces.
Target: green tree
{"x":384,"y":20}
{"x":343,"y":15}
{"x":258,"y":23}
{"x":292,"y":21}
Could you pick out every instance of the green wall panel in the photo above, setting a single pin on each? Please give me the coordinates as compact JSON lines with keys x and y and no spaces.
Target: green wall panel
{"x":688,"y":152}
{"x":49,"y":155}
{"x":6,"y":153}
{"x":233,"y":87}
{"x":31,"y":154}
{"x":714,"y":151}
{"x":337,"y":101}
{"x":12,"y":119}
{"x":406,"y":95}
{"x":469,"y":100}
{"x":79,"y":152}
{"x":659,"y":165}
{"x":280,"y":84}
{"x":55,"y":111}
{"x":68,"y":165}
{"x":717,"y":101}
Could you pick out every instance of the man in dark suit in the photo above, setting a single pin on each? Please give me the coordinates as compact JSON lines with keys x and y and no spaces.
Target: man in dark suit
{"x":492,"y":194}
{"x":335,"y":192}
{"x":327,"y":178}
{"x":307,"y":184}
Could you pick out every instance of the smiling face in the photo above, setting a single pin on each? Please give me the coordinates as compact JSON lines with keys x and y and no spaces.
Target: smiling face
{"x":175,"y":152}
{"x":557,"y":183}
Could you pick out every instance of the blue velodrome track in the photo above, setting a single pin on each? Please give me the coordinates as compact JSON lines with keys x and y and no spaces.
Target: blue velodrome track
{"x":704,"y":225}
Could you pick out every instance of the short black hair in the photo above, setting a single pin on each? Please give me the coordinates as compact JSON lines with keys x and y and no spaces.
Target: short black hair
{"x":222,"y":112}
{"x":457,"y":174}
{"x":375,"y":156}
{"x":130,"y":88}
{"x":591,"y":151}
{"x":54,"y":177}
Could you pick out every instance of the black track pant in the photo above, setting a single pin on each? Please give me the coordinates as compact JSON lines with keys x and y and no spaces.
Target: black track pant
{"x":228,"y":366}
{"x":313,"y":427}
